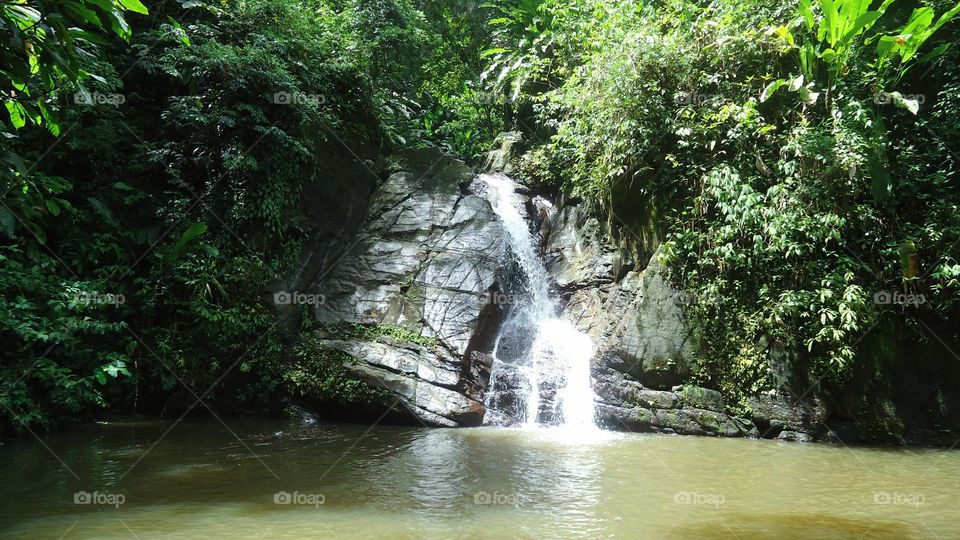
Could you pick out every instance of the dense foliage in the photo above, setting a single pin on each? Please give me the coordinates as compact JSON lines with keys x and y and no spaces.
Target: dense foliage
{"x":799,"y":160}
{"x":155,"y":166}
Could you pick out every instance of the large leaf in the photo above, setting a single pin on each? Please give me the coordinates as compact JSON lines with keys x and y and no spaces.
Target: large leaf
{"x":807,"y":11}
{"x":192,"y":232}
{"x":862,"y":23}
{"x":771,"y":89}
{"x":18,"y":116}
{"x":103,"y":211}
{"x":134,"y":5}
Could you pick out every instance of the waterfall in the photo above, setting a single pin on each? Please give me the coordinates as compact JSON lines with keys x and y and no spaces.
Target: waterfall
{"x":541,"y":365}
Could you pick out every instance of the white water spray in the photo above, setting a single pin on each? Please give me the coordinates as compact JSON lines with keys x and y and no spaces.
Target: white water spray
{"x":541,"y":367}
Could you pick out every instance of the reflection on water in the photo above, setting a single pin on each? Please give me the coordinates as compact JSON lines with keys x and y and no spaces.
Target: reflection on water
{"x":343,"y":481}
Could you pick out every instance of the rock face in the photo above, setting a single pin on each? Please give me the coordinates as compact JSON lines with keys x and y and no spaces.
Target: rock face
{"x":419,"y":275}
{"x":643,"y":344}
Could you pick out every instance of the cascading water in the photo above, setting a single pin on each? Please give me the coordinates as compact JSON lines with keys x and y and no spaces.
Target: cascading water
{"x":541,"y":366}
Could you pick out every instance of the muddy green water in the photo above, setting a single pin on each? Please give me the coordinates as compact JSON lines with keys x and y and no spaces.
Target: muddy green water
{"x":346,"y":481}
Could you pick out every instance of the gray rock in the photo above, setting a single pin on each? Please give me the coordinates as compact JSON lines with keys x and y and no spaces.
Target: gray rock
{"x":643,"y":342}
{"x":703,"y":422}
{"x":575,"y":254}
{"x":795,"y":436}
{"x":776,"y":413}
{"x":505,"y":150}
{"x":614,"y":388}
{"x":423,"y":263}
{"x":637,"y":325}
{"x":657,"y":399}
{"x":431,"y":404}
{"x":701,"y":398}
{"x":680,"y":421}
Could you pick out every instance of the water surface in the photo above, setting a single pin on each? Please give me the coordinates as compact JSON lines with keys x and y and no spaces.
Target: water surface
{"x":198,"y":480}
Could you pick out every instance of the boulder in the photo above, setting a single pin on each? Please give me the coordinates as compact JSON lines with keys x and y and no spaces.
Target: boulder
{"x":420,"y":269}
{"x":679,"y":421}
{"x":505,"y":149}
{"x":779,"y":413}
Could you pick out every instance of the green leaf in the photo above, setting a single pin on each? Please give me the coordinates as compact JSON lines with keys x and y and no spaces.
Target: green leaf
{"x":53,"y":207}
{"x":102,"y":210}
{"x":807,"y":11}
{"x":808,"y":96}
{"x":17,"y":114}
{"x":862,"y":23}
{"x":937,"y":51}
{"x":192,"y":232}
{"x":796,"y":83}
{"x":135,"y":6}
{"x":181,"y":33}
{"x":49,"y":117}
{"x":491,"y":52}
{"x":771,"y":89}
{"x":7,"y":221}
{"x":887,"y":45}
{"x":881,"y":180}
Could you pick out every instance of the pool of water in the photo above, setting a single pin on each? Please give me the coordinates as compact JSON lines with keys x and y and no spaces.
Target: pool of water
{"x":203,"y":480}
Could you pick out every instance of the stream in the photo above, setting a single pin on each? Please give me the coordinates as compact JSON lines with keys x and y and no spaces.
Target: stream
{"x":281,"y":479}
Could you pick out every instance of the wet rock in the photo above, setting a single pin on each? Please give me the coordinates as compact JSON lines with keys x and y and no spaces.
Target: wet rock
{"x":636,"y":324}
{"x":575,"y":254}
{"x":627,"y":405}
{"x":680,"y":421}
{"x":643,"y":343}
{"x":294,"y":411}
{"x":703,"y":422}
{"x":614,"y":388}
